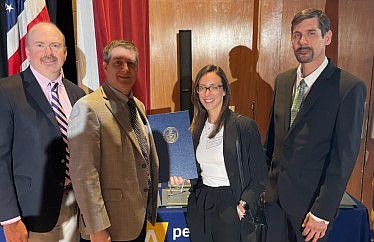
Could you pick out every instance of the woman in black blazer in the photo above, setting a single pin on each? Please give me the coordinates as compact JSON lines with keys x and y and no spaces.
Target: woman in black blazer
{"x":217,"y":201}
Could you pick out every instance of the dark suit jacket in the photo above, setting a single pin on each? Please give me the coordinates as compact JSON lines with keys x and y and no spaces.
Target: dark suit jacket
{"x":253,"y":158}
{"x":314,"y":158}
{"x":32,"y":157}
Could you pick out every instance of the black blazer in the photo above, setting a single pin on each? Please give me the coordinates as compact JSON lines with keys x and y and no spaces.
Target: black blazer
{"x":32,"y":157}
{"x":314,"y":158}
{"x":253,"y":158}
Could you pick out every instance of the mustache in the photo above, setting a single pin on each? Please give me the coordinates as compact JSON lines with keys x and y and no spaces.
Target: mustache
{"x":49,"y":58}
{"x":304,"y":48}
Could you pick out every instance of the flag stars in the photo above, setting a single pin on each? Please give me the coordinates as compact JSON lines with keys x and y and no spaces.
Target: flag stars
{"x":8,"y":7}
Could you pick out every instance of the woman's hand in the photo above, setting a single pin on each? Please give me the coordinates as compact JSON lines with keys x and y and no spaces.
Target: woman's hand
{"x":240,"y":209}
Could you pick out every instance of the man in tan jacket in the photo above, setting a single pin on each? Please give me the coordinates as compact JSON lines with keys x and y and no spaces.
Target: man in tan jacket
{"x":114,"y":165}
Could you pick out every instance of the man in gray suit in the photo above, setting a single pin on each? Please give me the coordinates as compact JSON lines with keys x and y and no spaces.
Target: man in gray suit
{"x":314,"y":133}
{"x":114,"y":166}
{"x":36,"y":199}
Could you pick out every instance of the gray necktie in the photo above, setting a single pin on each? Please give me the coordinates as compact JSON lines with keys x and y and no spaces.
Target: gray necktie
{"x":298,"y":99}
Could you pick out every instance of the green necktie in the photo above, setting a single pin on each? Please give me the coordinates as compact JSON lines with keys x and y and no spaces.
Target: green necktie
{"x":296,"y":103}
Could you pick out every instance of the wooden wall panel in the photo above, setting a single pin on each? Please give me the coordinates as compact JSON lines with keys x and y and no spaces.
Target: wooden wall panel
{"x":368,"y":169}
{"x":251,"y":94}
{"x":217,"y":27}
{"x":356,"y":49}
{"x":270,"y":29}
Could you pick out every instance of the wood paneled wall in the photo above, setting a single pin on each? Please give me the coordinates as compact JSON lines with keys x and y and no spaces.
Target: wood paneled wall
{"x":217,"y":27}
{"x":355,"y":54}
{"x":250,"y":40}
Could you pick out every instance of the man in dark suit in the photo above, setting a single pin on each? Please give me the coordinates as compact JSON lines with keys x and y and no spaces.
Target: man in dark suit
{"x":37,"y":202}
{"x":314,"y":133}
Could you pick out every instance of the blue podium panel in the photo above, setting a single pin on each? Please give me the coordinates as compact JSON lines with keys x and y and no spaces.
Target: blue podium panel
{"x":174,"y":145}
{"x":2,"y":237}
{"x":177,"y":229}
{"x":351,"y":225}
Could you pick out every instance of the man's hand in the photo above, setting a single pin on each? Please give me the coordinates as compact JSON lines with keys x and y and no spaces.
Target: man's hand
{"x":100,"y":236}
{"x":16,"y":232}
{"x":313,"y":229}
{"x":178,"y":181}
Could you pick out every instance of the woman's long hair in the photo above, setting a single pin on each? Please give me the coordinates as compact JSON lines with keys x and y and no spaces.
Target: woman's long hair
{"x":200,"y":113}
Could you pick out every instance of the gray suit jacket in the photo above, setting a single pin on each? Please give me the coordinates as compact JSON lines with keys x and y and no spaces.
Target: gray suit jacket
{"x":108,"y":170}
{"x":32,"y":152}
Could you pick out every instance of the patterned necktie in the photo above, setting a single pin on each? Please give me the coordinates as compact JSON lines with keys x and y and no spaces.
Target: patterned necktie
{"x":62,"y":123}
{"x":299,"y":95}
{"x":136,"y":125}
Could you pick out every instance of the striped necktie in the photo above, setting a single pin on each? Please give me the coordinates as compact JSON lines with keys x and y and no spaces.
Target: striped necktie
{"x":298,"y":99}
{"x":62,"y":123}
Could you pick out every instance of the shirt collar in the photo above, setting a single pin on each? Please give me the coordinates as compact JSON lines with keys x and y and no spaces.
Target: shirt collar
{"x":312,"y":77}
{"x":44,"y":81}
{"x":120,"y":95}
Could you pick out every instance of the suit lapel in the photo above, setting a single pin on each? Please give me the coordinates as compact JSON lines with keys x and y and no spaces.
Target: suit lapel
{"x":229,"y":148}
{"x":320,"y":86}
{"x":33,"y":88}
{"x":121,"y":114}
{"x":287,"y":89}
{"x":73,"y":97}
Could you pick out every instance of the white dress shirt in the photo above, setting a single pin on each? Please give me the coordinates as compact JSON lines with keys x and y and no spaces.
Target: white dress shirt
{"x":209,"y":154}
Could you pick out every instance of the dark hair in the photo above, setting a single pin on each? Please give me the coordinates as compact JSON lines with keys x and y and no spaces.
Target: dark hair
{"x":323,"y":20}
{"x":200,"y":113}
{"x":122,"y":43}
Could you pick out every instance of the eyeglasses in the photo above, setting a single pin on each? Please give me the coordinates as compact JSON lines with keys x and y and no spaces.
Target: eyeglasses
{"x":211,"y":88}
{"x":53,"y":46}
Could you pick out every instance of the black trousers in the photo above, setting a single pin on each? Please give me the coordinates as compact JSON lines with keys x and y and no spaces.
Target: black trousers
{"x":212,"y":215}
{"x":283,"y":227}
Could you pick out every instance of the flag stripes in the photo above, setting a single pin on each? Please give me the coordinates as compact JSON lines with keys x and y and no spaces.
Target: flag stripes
{"x":21,"y":16}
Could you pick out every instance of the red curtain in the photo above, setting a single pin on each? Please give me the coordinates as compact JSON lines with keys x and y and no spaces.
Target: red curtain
{"x":125,"y":19}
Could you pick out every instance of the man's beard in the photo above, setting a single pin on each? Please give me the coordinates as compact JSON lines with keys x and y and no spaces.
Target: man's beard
{"x":302,"y":57}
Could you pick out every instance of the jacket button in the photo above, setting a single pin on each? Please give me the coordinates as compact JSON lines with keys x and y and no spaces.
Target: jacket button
{"x":61,"y":184}
{"x":144,"y":165}
{"x":62,"y":161}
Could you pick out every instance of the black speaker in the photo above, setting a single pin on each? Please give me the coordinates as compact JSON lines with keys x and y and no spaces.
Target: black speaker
{"x":185,"y":69}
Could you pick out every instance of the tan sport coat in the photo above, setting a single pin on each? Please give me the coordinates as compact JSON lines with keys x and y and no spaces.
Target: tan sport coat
{"x":107,"y":168}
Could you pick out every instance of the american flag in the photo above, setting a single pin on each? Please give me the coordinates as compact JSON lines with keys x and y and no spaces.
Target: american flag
{"x":21,"y":16}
